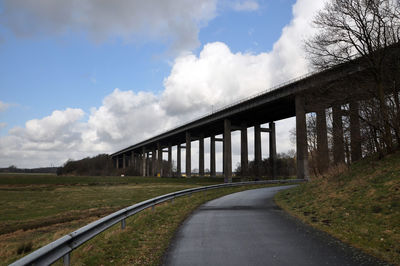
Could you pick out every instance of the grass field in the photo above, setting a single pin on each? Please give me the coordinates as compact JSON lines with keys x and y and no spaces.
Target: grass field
{"x":360,"y":206}
{"x":37,"y":209}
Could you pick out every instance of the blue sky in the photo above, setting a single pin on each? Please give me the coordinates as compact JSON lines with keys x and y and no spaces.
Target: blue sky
{"x":68,"y":68}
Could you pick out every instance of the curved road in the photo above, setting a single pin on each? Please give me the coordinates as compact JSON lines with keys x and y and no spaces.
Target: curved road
{"x":247,"y":228}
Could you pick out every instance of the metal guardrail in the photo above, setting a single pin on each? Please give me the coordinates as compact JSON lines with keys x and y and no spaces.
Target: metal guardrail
{"x":62,"y":247}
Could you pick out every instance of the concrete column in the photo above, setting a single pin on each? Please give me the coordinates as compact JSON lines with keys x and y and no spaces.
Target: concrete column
{"x":143,"y":162}
{"x":124,"y":161}
{"x":154,"y":162}
{"x":212,"y":157}
{"x":201,"y":155}
{"x":133,"y":161}
{"x":257,"y":150}
{"x":337,"y":128}
{"x":301,"y":139}
{"x":148,"y":164}
{"x":322,"y":141}
{"x":160,"y":160}
{"x":178,"y":160}
{"x":227,"y":151}
{"x":244,"y":152}
{"x":117,"y":162}
{"x":272,"y":148}
{"x":169,"y":160}
{"x":355,"y":135}
{"x":188,"y":155}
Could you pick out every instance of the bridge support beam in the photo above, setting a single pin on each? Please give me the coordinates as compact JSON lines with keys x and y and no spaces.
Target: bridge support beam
{"x":124,"y":161}
{"x":143,"y":162}
{"x":117,"y":162}
{"x":337,"y":128}
{"x":169,"y":160}
{"x":257,"y":150}
{"x":272,"y":148}
{"x":244,"y":151}
{"x":178,"y":161}
{"x":301,"y":139}
{"x":201,"y":155}
{"x":322,"y":141}
{"x":355,"y":135}
{"x":134,"y":161}
{"x":227,"y":151}
{"x":212,"y":156}
{"x":148,"y":165}
{"x":154,"y":162}
{"x":188,"y":155}
{"x":160,"y":160}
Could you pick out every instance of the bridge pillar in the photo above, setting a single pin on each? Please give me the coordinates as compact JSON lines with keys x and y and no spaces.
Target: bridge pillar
{"x":143,"y":162}
{"x":160,"y":160}
{"x":178,"y":161}
{"x":337,"y":128}
{"x":169,"y":159}
{"x":201,"y":155}
{"x":133,"y":161}
{"x":188,"y":155}
{"x":322,"y":141}
{"x":355,"y":135}
{"x":257,"y":150}
{"x":124,"y":161}
{"x":154,"y":162}
{"x":227,"y":151}
{"x":244,"y":152}
{"x":148,"y":165}
{"x":212,"y":156}
{"x":117,"y":161}
{"x":301,"y":139}
{"x":272,"y":148}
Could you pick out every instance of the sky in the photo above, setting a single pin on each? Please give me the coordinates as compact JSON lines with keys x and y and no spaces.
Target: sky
{"x":84,"y":77}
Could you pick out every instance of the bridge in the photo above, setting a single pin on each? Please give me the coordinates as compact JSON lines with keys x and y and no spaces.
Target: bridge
{"x":333,"y":88}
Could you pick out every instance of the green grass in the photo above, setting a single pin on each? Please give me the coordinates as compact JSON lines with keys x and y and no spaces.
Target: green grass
{"x":38,"y":209}
{"x":50,"y":179}
{"x":147,"y":235}
{"x":34,"y":208}
{"x":360,"y":206}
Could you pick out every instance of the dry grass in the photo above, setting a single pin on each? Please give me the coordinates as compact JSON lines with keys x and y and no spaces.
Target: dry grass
{"x":360,"y":206}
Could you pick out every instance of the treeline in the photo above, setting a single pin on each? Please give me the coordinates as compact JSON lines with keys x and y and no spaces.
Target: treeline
{"x":100,"y":165}
{"x":41,"y":170}
{"x":285,"y":166}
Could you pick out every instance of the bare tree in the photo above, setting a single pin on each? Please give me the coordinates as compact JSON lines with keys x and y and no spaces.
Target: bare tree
{"x":368,"y":30}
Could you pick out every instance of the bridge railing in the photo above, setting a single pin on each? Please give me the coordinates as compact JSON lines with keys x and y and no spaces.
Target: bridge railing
{"x":240,"y":100}
{"x":62,"y":247}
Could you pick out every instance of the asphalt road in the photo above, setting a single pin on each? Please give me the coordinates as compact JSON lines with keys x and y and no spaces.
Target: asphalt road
{"x":247,"y":228}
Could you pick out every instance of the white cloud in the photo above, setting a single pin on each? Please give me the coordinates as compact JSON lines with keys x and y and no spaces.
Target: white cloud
{"x":249,"y":5}
{"x":217,"y":76}
{"x":196,"y":83}
{"x":3,"y":106}
{"x":126,"y":117}
{"x":3,"y":125}
{"x":176,"y":22}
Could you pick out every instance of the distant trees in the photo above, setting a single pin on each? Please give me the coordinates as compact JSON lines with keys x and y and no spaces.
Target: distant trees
{"x":368,"y":30}
{"x":100,"y":165}
{"x":285,"y":166}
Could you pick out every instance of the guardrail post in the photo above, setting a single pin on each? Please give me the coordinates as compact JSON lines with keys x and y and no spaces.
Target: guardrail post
{"x":123,"y":224}
{"x":153,"y":208}
{"x":67,"y":259}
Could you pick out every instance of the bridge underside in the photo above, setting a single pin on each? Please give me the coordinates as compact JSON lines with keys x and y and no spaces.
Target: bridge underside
{"x":343,"y":85}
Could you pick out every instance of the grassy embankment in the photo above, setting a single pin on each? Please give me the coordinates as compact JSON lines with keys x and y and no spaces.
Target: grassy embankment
{"x":360,"y":206}
{"x":37,"y":209}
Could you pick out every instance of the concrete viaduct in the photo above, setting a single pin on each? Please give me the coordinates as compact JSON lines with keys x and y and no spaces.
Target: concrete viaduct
{"x":315,"y":92}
